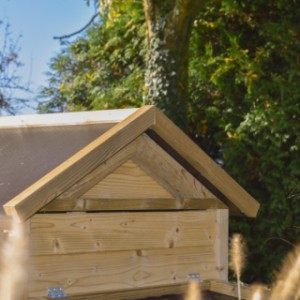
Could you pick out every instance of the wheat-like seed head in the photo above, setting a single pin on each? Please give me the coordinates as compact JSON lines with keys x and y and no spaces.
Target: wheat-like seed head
{"x":287,"y":286}
{"x":257,"y":292}
{"x":237,"y":254}
{"x":193,"y":291}
{"x":13,"y":263}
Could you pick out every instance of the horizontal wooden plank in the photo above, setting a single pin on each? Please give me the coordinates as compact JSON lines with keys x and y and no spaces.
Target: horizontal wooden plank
{"x":113,"y":271}
{"x":100,"y":232}
{"x":197,"y":158}
{"x":230,"y":289}
{"x":81,"y":205}
{"x":127,"y":182}
{"x":137,"y":293}
{"x":217,"y":288}
{"x":79,"y":165}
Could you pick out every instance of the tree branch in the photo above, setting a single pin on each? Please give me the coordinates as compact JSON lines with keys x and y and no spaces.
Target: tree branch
{"x":78,"y":31}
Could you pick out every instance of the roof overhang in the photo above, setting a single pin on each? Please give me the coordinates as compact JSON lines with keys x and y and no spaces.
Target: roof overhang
{"x":131,"y":124}
{"x":67,"y":118}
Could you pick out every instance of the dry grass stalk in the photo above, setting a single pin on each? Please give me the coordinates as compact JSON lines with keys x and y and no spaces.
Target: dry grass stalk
{"x":298,"y":294}
{"x":193,"y":291}
{"x":257,"y":292}
{"x":13,"y":259}
{"x":237,"y":254}
{"x":287,"y":286}
{"x":237,"y":258}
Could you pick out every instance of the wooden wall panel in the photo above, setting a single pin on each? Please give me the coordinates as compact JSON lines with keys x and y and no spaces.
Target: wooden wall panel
{"x":97,"y":253}
{"x":138,"y":293}
{"x":99,"y":232}
{"x":127,"y":182}
{"x":112,"y":271}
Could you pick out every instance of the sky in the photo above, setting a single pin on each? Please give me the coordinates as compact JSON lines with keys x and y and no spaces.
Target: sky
{"x":36,"y":22}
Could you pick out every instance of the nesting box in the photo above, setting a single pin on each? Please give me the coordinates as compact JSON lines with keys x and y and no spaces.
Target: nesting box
{"x":118,"y":203}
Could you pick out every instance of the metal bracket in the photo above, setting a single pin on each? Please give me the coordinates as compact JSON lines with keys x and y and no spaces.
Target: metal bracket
{"x":56,"y":292}
{"x":194,"y":277}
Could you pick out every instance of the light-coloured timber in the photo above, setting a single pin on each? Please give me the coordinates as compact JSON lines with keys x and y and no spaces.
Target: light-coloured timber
{"x":222,"y":288}
{"x":79,"y":165}
{"x":100,"y":272}
{"x":184,"y":146}
{"x":230,"y":289}
{"x":155,"y":161}
{"x":138,"y":293}
{"x":104,"y":169}
{"x":221,"y":243}
{"x":127,"y":182}
{"x":102,"y":232}
{"x":81,"y":205}
{"x":67,"y":118}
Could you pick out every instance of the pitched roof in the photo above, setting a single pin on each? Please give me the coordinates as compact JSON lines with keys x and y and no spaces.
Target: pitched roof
{"x":31,"y":146}
{"x":49,"y":158}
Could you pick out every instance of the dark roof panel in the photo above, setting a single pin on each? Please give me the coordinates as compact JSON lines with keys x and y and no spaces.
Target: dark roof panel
{"x":27,"y":154}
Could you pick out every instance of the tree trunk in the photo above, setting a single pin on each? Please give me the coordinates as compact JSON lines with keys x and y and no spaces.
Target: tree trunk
{"x":169,"y":25}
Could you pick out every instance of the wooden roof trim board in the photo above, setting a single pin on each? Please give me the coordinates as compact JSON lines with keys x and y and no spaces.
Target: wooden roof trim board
{"x":168,"y":172}
{"x":31,"y":200}
{"x":68,"y":118}
{"x":173,"y":137}
{"x":105,"y":168}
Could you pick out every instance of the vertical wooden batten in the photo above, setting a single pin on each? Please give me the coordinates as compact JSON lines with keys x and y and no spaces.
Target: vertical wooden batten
{"x":221,"y":244}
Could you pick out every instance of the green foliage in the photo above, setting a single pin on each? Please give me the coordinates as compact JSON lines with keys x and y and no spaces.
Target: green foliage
{"x":245,"y":112}
{"x":104,"y":68}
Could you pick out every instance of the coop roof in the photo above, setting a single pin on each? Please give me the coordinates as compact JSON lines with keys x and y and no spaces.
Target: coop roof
{"x":43,"y":155}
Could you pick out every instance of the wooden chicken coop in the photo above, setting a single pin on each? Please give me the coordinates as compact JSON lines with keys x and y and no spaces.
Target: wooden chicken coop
{"x":118,"y":204}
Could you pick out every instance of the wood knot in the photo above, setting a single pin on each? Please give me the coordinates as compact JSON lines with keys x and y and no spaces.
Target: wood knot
{"x":171,"y":244}
{"x":56,"y":245}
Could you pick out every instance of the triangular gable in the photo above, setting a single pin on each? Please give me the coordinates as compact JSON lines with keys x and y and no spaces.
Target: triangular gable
{"x":150,"y":176}
{"x":129,"y":181}
{"x":147,"y":120}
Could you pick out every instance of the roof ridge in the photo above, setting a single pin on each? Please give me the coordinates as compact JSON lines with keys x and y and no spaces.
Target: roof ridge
{"x":66,"y":118}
